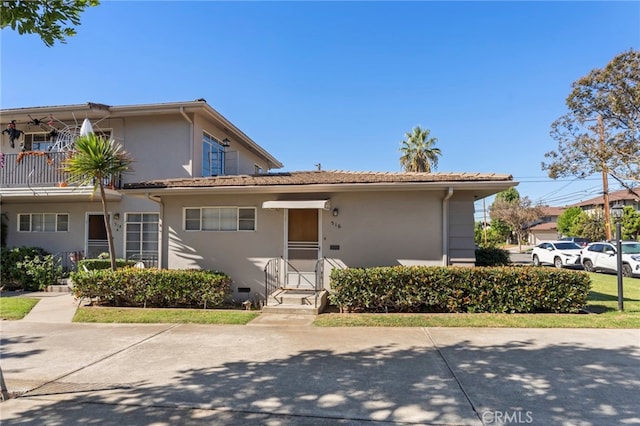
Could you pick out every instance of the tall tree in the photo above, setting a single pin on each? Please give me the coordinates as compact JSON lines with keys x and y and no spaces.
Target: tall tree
{"x":601,"y":131}
{"x":52,"y":20}
{"x":630,"y":224}
{"x":592,"y":226}
{"x":518,"y":213}
{"x":569,"y":221}
{"x":95,"y":161}
{"x":419,"y":153}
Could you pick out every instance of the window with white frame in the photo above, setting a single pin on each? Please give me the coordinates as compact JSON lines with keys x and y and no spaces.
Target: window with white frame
{"x":212,"y":156}
{"x":220,"y":219}
{"x":43,"y":222}
{"x":141,"y":237}
{"x":45,"y":141}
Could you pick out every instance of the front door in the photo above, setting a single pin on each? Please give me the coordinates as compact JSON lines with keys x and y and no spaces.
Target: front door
{"x":96,"y":236}
{"x":303,"y":247}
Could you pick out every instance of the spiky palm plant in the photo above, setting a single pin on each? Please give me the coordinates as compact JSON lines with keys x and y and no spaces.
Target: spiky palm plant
{"x":418,"y":151}
{"x":93,"y":161}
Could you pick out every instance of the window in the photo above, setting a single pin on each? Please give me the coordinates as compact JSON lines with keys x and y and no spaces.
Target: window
{"x":43,"y":222}
{"x":212,"y":156}
{"x":46,"y":141}
{"x":141,"y":237}
{"x":38,"y":141}
{"x":220,"y":219}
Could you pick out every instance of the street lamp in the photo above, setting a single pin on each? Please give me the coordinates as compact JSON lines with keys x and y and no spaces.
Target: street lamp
{"x":617,"y":212}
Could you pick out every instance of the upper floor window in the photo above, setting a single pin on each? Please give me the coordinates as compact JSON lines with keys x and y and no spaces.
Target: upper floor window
{"x":212,"y":156}
{"x":43,"y":222}
{"x":47,"y":141}
{"x":220,"y":219}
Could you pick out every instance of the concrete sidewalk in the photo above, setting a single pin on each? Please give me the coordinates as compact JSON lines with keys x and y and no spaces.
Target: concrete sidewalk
{"x":114,"y":374}
{"x":52,"y":307}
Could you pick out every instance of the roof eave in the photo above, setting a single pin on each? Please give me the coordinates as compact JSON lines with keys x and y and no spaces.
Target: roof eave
{"x":483,"y":189}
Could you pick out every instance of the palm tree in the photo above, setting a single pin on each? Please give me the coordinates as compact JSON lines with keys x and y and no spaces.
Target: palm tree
{"x":96,"y":160}
{"x":418,"y":151}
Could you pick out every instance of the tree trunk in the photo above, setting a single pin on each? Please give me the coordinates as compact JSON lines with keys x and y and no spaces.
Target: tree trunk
{"x":107,"y":225}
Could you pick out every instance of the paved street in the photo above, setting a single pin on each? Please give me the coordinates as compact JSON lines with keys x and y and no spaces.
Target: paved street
{"x":277,"y":374}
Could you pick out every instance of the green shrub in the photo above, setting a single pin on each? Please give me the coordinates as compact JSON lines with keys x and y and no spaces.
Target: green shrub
{"x":153,"y":287}
{"x":492,"y":256}
{"x":459,"y":289}
{"x":28,"y":268}
{"x":94,"y":264}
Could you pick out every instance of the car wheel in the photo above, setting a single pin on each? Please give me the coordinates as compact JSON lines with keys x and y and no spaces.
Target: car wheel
{"x":588,"y":266}
{"x":626,"y":270}
{"x":536,"y":261}
{"x":557,"y":262}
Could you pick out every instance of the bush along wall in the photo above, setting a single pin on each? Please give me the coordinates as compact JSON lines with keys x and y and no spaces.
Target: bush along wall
{"x":153,"y":287}
{"x":28,"y":268}
{"x":93,"y":264}
{"x":492,"y":256}
{"x":458,"y":289}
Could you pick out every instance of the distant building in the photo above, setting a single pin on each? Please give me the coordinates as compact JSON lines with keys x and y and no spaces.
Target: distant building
{"x":546,"y":228}
{"x":623,"y":197}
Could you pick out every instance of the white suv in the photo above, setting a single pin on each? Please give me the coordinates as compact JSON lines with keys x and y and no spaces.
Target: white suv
{"x":602,"y":257}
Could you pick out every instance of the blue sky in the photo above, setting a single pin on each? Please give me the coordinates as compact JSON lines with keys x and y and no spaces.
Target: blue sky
{"x":339,"y":83}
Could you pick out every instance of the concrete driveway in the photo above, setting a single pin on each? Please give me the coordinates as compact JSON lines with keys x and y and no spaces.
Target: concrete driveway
{"x":288,"y":375}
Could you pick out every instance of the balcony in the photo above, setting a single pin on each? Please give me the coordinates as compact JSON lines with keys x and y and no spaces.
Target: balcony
{"x":37,"y":169}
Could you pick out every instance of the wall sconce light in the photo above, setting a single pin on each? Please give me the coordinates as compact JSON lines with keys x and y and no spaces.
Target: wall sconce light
{"x":225,"y":142}
{"x":116,"y":216}
{"x":335,"y":212}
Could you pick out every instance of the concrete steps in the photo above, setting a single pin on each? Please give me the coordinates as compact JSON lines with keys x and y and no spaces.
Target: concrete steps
{"x":295,"y":301}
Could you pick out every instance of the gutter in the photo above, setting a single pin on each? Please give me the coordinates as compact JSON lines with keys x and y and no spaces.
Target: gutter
{"x":445,"y":226}
{"x":186,"y":117}
{"x":156,"y":199}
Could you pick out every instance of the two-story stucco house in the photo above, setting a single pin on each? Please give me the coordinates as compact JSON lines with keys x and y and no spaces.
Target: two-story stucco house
{"x":202,"y":194}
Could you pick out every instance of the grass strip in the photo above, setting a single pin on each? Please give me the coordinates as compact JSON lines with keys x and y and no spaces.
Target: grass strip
{"x":15,"y":308}
{"x":162,"y":315}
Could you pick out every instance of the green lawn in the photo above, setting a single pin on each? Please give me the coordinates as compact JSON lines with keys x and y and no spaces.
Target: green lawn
{"x":158,"y":315}
{"x":603,"y":299}
{"x":15,"y":308}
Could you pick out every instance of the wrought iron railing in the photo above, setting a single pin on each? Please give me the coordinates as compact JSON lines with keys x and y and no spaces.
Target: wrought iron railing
{"x":274,"y":281}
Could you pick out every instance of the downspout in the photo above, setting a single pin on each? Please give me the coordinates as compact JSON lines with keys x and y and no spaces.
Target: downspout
{"x":186,"y":117}
{"x":445,"y":227}
{"x":156,"y":199}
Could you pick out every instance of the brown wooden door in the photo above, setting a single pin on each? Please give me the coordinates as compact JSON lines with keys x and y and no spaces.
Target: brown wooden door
{"x":96,"y":236}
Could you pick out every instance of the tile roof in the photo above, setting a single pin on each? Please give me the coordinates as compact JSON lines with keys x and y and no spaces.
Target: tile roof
{"x":552,"y":211}
{"x":623,"y":194}
{"x":545,"y":226}
{"x":318,"y":177}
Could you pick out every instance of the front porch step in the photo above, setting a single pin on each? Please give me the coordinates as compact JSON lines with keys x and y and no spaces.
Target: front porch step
{"x":295,"y":301}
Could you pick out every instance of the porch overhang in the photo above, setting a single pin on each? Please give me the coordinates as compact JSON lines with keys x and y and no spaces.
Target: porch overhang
{"x":297,"y":204}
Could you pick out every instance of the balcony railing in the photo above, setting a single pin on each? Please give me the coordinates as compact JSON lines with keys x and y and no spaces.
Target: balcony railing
{"x":36,"y":169}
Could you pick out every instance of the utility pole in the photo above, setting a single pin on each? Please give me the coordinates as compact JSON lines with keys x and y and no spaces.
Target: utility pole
{"x":605,"y":180}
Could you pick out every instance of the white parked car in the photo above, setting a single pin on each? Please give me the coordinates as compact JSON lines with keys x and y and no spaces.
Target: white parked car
{"x":557,"y":253}
{"x":602,"y":257}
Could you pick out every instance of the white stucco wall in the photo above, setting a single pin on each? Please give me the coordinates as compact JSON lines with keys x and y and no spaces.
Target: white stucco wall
{"x":372,"y":229}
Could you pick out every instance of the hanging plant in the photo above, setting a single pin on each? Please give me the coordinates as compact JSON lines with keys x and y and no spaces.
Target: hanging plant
{"x":35,"y":154}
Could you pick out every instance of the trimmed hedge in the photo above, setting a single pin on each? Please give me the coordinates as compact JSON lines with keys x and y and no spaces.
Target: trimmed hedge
{"x":153,"y":287}
{"x":95,"y":264}
{"x":458,"y":289}
{"x":492,"y":256}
